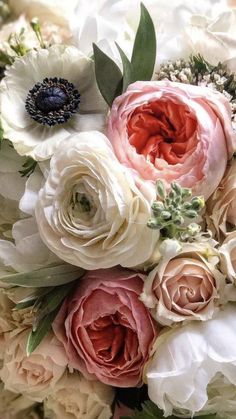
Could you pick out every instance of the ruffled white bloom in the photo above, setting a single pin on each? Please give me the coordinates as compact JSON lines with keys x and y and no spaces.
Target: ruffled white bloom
{"x":100,"y":21}
{"x":213,"y":38}
{"x":186,"y":284}
{"x":90,"y":212}
{"x":29,"y":136}
{"x":26,"y":251}
{"x":193,"y":355}
{"x":34,"y":375}
{"x":12,"y":187}
{"x":74,"y":397}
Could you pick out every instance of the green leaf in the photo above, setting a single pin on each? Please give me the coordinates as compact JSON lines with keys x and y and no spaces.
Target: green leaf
{"x":36,"y":337}
{"x":45,"y":277}
{"x":127,"y":68}
{"x":1,"y":134}
{"x":51,"y":301}
{"x":28,"y":167}
{"x":108,"y":75}
{"x":144,"y":51}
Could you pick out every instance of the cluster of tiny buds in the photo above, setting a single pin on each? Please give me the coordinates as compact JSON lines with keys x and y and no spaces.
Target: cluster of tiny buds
{"x":172,"y":209}
{"x":198,"y":72}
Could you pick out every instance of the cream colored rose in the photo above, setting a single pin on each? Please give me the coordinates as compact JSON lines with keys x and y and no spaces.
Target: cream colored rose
{"x":90,"y":211}
{"x":185,"y":285}
{"x":221,"y":207}
{"x":74,"y":397}
{"x":37,"y":374}
{"x":228,"y":256}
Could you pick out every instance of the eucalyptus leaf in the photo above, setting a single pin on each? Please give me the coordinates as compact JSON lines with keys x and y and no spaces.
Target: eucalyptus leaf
{"x":36,"y":337}
{"x":45,"y":277}
{"x":127,"y":68}
{"x":108,"y":75}
{"x":144,"y":51}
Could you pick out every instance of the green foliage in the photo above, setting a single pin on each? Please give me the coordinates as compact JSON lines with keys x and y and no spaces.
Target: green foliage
{"x":46,"y":277}
{"x":108,"y":75}
{"x":110,"y":80}
{"x":144,"y":51}
{"x":47,"y":308}
{"x":28,"y":167}
{"x":171,"y":212}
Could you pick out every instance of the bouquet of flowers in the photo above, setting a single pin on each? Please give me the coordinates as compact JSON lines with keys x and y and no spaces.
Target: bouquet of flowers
{"x":118,"y":209}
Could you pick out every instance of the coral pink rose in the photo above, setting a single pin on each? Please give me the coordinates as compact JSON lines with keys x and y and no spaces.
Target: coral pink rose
{"x":173,"y":131}
{"x":106,"y":330}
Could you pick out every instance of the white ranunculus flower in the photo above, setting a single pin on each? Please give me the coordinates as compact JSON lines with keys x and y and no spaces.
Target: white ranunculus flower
{"x":90,"y":212}
{"x":58,"y":88}
{"x":34,"y":375}
{"x":186,"y":284}
{"x":74,"y":397}
{"x":194,"y":355}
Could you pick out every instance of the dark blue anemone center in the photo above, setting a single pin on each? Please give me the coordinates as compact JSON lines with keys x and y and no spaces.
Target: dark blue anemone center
{"x":51,"y":99}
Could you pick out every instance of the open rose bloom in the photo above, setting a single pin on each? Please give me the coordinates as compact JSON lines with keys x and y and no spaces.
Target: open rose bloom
{"x":173,"y":132}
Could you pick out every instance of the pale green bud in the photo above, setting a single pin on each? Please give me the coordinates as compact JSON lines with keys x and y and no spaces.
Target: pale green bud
{"x":177,"y":188}
{"x":193,"y":229}
{"x":190,"y":214}
{"x":154,"y":224}
{"x":160,"y":189}
{"x":186,"y":192}
{"x":166,"y":215}
{"x":198,"y":203}
{"x":157,"y":206}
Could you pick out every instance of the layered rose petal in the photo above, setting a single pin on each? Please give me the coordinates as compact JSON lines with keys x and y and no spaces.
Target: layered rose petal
{"x":173,"y":132}
{"x":106,"y":330}
{"x":186,"y":285}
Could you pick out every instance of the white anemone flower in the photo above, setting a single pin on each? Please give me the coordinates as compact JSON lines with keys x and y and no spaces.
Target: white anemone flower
{"x":46,"y":96}
{"x":202,"y":357}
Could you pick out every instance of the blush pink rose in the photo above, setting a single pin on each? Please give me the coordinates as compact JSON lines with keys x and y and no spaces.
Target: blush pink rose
{"x":106,"y":330}
{"x":174,"y":132}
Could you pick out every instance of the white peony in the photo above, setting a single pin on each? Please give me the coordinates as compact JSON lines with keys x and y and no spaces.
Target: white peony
{"x":194,"y":355}
{"x":34,"y":375}
{"x":100,"y":21}
{"x":90,"y":213}
{"x":74,"y":397}
{"x":47,"y":82}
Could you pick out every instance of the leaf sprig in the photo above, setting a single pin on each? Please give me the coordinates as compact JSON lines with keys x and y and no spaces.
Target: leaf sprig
{"x":172,"y":210}
{"x":110,"y":80}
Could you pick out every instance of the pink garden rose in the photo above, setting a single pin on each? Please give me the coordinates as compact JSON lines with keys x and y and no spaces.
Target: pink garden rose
{"x":174,"y":132}
{"x":106,"y":330}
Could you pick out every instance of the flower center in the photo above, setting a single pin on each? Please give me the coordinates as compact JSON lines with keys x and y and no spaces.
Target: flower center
{"x":53,"y":101}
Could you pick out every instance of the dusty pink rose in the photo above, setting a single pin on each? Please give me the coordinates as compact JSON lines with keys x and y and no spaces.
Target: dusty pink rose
{"x":173,"y":131}
{"x":106,"y":330}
